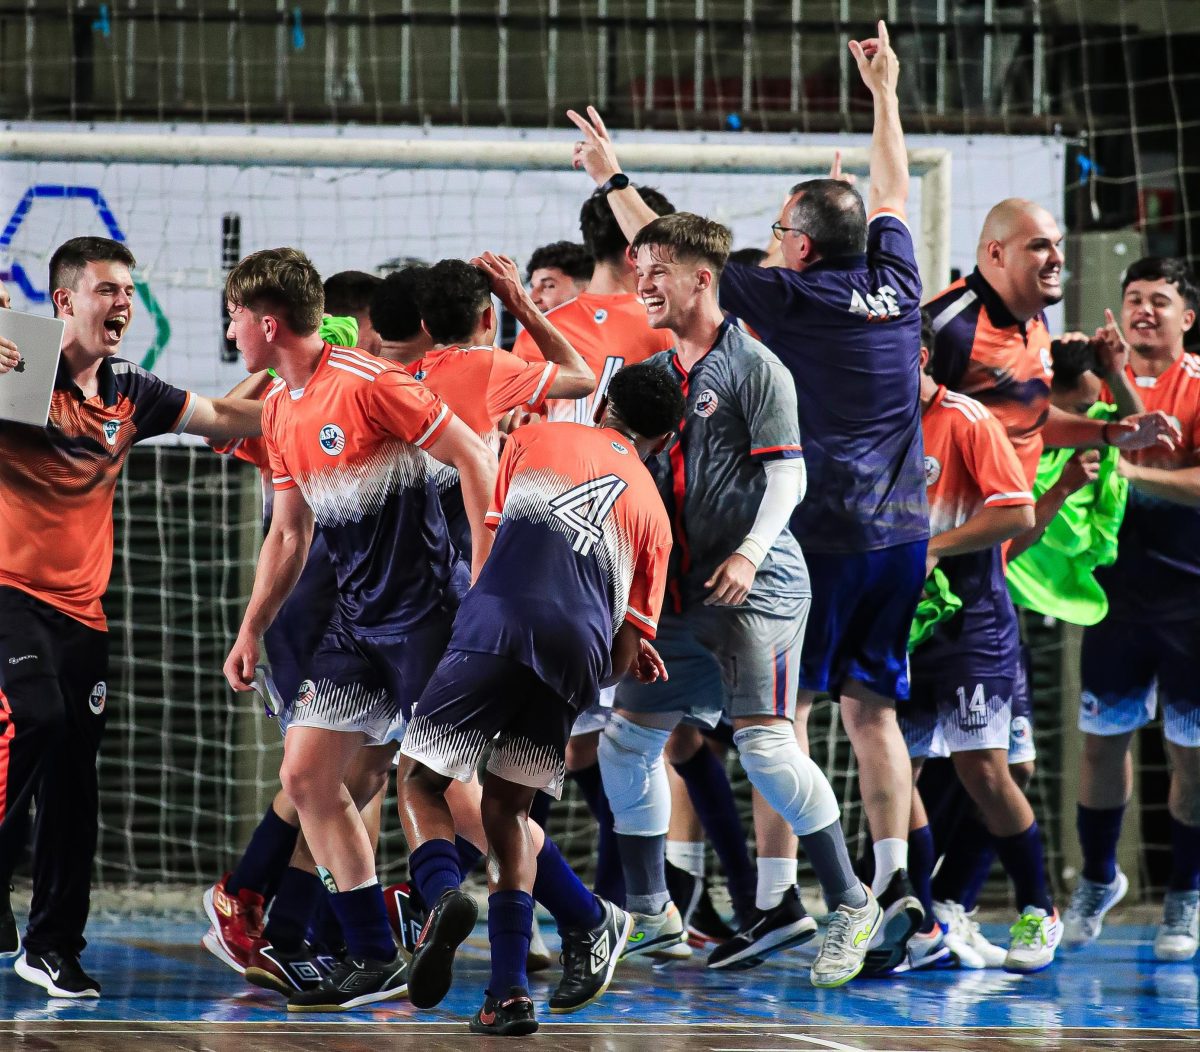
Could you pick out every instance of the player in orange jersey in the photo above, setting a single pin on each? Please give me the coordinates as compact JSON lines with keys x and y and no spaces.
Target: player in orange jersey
{"x":558,"y":272}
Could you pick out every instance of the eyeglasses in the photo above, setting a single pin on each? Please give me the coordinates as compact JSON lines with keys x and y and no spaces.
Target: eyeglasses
{"x":778,"y":229}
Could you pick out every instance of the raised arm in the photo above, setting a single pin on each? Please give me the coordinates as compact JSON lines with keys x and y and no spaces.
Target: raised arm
{"x":597,"y":156}
{"x":225,"y":418}
{"x":1112,"y":355}
{"x":880,"y":70}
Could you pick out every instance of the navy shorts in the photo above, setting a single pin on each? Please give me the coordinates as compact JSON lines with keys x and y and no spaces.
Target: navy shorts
{"x":862,"y":606}
{"x":473,"y":698}
{"x":1131,"y":669}
{"x":299,"y":626}
{"x":367,"y":685}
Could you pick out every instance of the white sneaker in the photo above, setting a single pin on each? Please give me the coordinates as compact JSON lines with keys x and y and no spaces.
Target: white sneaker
{"x":926,"y":951}
{"x":1035,"y":937}
{"x":660,"y":935}
{"x":965,"y":938}
{"x":1179,"y":934}
{"x":845,"y":946}
{"x":1083,"y":918}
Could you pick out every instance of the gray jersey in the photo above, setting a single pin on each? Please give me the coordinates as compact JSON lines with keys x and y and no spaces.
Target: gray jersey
{"x":741,"y":411}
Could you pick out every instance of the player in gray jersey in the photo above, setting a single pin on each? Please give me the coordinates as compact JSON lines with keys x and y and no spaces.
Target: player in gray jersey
{"x":737,"y":592}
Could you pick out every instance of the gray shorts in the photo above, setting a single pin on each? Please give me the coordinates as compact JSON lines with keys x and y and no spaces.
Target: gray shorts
{"x":723,"y":659}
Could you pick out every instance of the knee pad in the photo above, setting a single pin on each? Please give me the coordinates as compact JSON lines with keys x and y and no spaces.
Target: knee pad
{"x":635,"y":778}
{"x":788,"y":780}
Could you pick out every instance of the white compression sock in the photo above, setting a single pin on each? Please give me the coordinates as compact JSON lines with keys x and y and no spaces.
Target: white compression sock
{"x":775,"y":876}
{"x":687,"y":855}
{"x":891,"y":854}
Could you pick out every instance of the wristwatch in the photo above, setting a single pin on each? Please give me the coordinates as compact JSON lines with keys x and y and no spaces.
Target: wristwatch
{"x":615,"y":182}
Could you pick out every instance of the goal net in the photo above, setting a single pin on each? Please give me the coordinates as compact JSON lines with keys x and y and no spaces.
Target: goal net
{"x":187,"y":769}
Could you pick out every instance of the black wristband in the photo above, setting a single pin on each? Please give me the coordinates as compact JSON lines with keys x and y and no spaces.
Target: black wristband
{"x":615,"y":182}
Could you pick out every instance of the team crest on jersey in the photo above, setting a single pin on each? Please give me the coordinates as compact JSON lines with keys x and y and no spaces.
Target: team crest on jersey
{"x":111,"y":427}
{"x":706,"y":404}
{"x":933,"y":470}
{"x":620,"y":448}
{"x":333,"y":439}
{"x":97,"y":698}
{"x":1089,"y":704}
{"x":1047,"y":361}
{"x":600,"y":317}
{"x":307,"y":693}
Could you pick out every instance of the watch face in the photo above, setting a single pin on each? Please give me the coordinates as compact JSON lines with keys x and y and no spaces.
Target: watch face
{"x":618,"y":182}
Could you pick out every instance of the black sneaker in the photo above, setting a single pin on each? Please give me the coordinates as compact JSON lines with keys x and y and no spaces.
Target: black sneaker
{"x":706,"y":924}
{"x":352,"y":983}
{"x":685,"y":891}
{"x":448,"y":924}
{"x":58,"y":974}
{"x":589,"y":959}
{"x":287,"y":972}
{"x":512,"y":1017}
{"x":10,"y":937}
{"x":902,"y":916}
{"x":772,"y":930}
{"x":407,"y":914}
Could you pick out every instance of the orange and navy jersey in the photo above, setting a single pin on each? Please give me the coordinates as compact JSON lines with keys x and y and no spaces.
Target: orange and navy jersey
{"x":1157,"y":572}
{"x":970,"y":465}
{"x":609,"y":333}
{"x":57,"y":483}
{"x":351,"y":439}
{"x":582,"y":545}
{"x":981,"y":350}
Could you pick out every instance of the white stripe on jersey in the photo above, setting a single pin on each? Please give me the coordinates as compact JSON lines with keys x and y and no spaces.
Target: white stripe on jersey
{"x":432,"y":427}
{"x":631,"y":612}
{"x":349,"y":369}
{"x":537,"y":395}
{"x":1010,"y":496}
{"x":953,"y":311}
{"x":356,"y":357}
{"x":969,"y":408}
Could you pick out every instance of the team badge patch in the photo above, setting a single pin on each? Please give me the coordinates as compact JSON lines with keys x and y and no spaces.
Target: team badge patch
{"x":600,"y":317}
{"x":1019,"y":729}
{"x":111,"y":427}
{"x":97,"y":698}
{"x":706,"y":404}
{"x":933,"y":470}
{"x":620,"y":448}
{"x":333,"y":439}
{"x":307,"y":693}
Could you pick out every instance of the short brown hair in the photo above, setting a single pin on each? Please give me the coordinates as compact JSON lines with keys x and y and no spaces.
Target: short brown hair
{"x":72,"y":256}
{"x":279,"y":281}
{"x":691,"y":239}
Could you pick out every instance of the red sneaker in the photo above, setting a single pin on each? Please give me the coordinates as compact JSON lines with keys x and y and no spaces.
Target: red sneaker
{"x":237,"y":924}
{"x":406,"y":913}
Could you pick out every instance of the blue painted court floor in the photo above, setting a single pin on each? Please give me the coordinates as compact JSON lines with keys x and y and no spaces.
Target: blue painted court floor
{"x":155,"y":972}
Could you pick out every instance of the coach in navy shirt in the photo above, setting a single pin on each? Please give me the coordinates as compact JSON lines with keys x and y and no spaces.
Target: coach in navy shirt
{"x":838,"y":301}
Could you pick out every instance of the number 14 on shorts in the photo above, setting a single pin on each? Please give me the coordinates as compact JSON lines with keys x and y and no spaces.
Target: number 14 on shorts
{"x":972,"y":710}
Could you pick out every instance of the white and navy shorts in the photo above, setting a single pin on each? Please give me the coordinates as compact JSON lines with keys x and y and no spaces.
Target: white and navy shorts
{"x":473,"y":698}
{"x":959,"y":713}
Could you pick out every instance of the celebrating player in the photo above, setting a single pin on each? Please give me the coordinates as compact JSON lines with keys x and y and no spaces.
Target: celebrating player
{"x":348,"y":295}
{"x":558,"y":272}
{"x":56,"y":549}
{"x":345,"y":434}
{"x":567,"y":600}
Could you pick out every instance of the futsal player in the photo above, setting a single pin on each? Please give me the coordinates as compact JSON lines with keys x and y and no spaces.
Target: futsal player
{"x":567,"y":599}
{"x":557,"y":273}
{"x":846,"y":323}
{"x":346,"y":437}
{"x":56,"y":548}
{"x":348,"y":295}
{"x":1142,"y":656}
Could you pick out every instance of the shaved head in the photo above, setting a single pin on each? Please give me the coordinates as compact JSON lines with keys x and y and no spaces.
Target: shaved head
{"x":1019,"y":255}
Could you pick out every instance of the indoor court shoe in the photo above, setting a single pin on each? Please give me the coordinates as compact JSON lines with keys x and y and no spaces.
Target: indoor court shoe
{"x":659,"y":935}
{"x":772,"y":930}
{"x":406,"y":914}
{"x":237,"y":924}
{"x":353,"y":983}
{"x":926,"y":951}
{"x":448,"y":924}
{"x":1084,"y":916}
{"x":685,"y":891}
{"x":1035,"y":937}
{"x":539,"y":957}
{"x":846,"y":940}
{"x":10,"y":937}
{"x":902,"y":916}
{"x":706,"y":926}
{"x":1179,"y":932}
{"x":60,"y":975}
{"x":511,"y":1017}
{"x":589,"y":959}
{"x":287,"y":973}
{"x":965,"y":938}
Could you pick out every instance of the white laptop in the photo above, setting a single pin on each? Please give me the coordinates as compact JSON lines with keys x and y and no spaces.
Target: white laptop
{"x":25,"y":391}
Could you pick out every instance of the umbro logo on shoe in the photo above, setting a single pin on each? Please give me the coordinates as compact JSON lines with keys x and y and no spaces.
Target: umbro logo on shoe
{"x":601,"y":951}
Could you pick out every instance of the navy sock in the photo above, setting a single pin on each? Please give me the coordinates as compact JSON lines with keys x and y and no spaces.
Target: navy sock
{"x":1185,"y":857}
{"x":266,"y":856}
{"x":539,"y":810}
{"x":966,"y":862}
{"x":920,"y":870}
{"x":711,"y":795}
{"x":294,"y":908}
{"x":1099,"y":830}
{"x":324,"y":933}
{"x":571,"y":904}
{"x":510,"y":926}
{"x":1021,"y":856}
{"x":610,"y":878}
{"x":434,"y":867}
{"x":364,"y":921}
{"x":468,"y":855}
